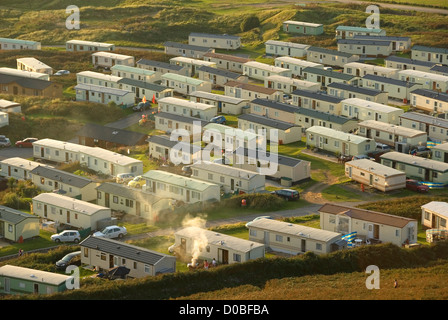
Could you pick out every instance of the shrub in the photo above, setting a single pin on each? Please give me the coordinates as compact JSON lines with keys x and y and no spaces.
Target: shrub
{"x":249,"y":23}
{"x":13,"y":200}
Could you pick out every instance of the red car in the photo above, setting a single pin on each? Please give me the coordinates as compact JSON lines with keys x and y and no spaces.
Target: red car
{"x":414,"y":185}
{"x":26,"y":143}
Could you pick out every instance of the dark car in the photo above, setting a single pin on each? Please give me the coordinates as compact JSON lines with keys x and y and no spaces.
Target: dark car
{"x":414,"y":185}
{"x":141,"y":106}
{"x":421,"y":151}
{"x":287,"y":194}
{"x":71,"y":258}
{"x":218,"y":119}
{"x":26,"y":143}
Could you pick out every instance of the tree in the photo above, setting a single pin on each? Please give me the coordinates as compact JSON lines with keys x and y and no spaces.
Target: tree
{"x":249,"y":23}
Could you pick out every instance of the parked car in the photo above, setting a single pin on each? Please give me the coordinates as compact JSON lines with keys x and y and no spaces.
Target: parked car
{"x":67,"y":236}
{"x":416,"y":186}
{"x":73,"y":258}
{"x":61,"y":72}
{"x":137,"y":182}
{"x":258,"y":218}
{"x":361,"y":156}
{"x":26,"y":143}
{"x":287,"y":194}
{"x":111,"y":232}
{"x":382,"y":147}
{"x":142,"y":106}
{"x":4,"y":142}
{"x":218,"y":119}
{"x":124,"y":177}
{"x":186,"y":171}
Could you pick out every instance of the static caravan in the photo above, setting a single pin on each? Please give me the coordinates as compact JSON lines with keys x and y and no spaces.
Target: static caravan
{"x":431,"y":81}
{"x":231,"y":138}
{"x":226,"y":61}
{"x":294,"y":169}
{"x":185,"y":85}
{"x":430,"y":54}
{"x":365,"y":47}
{"x":338,"y":142}
{"x":198,"y":243}
{"x":429,"y":101}
{"x":349,"y":32}
{"x":250,"y":91}
{"x":106,"y":59}
{"x":186,"y":50}
{"x":436,"y":128}
{"x":361,"y":109}
{"x":109,"y":162}
{"x":105,"y":254}
{"x":259,"y":71}
{"x":306,"y":118}
{"x":50,"y":179}
{"x":191,"y":64}
{"x":142,"y":89}
{"x":229,"y":178}
{"x":24,"y":84}
{"x":300,"y":27}
{"x":400,"y":138}
{"x":419,"y":168}
{"x":292,"y":238}
{"x":401,"y":63}
{"x":287,"y":132}
{"x":66,"y":210}
{"x":326,"y":77}
{"x":272,"y":109}
{"x":217,"y":41}
{"x":104,"y":95}
{"x":56,"y":151}
{"x":187,"y":108}
{"x":295,"y":65}
{"x":160,"y":147}
{"x":98,"y":79}
{"x":368,"y":225}
{"x":434,"y":215}
{"x":160,"y":68}
{"x":347,"y":91}
{"x":398,"y":43}
{"x":288,"y":84}
{"x":375,"y":175}
{"x":317,"y":101}
{"x":397,"y":89}
{"x":361,"y":69}
{"x":133,"y":73}
{"x":168,"y":122}
{"x":120,"y":197}
{"x":10,"y":106}
{"x":80,"y":45}
{"x":4,"y":71}
{"x":439,"y":69}
{"x":282,"y":48}
{"x":181,"y":188}
{"x":16,"y":225}
{"x":20,"y":280}
{"x":219,"y":77}
{"x":17,"y":168}
{"x":330,"y":57}
{"x":225,"y":104}
{"x":33,"y":65}
{"x":440,"y":152}
{"x":18,"y":44}
{"x":4,"y":119}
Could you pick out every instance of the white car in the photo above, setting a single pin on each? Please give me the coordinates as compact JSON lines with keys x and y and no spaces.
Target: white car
{"x":61,"y":72}
{"x":67,"y":236}
{"x":124,"y":177}
{"x":111,"y":232}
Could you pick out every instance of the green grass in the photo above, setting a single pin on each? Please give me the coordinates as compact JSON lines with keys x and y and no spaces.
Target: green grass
{"x":42,"y":241}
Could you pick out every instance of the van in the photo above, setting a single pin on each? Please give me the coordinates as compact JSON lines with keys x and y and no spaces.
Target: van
{"x":124,"y":177}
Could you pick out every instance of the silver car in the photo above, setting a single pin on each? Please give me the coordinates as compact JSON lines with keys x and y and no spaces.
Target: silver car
{"x":4,"y":142}
{"x":111,"y":232}
{"x":67,"y":236}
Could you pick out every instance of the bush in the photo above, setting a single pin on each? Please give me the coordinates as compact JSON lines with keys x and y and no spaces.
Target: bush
{"x":250,"y":23}
{"x":13,"y":200}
